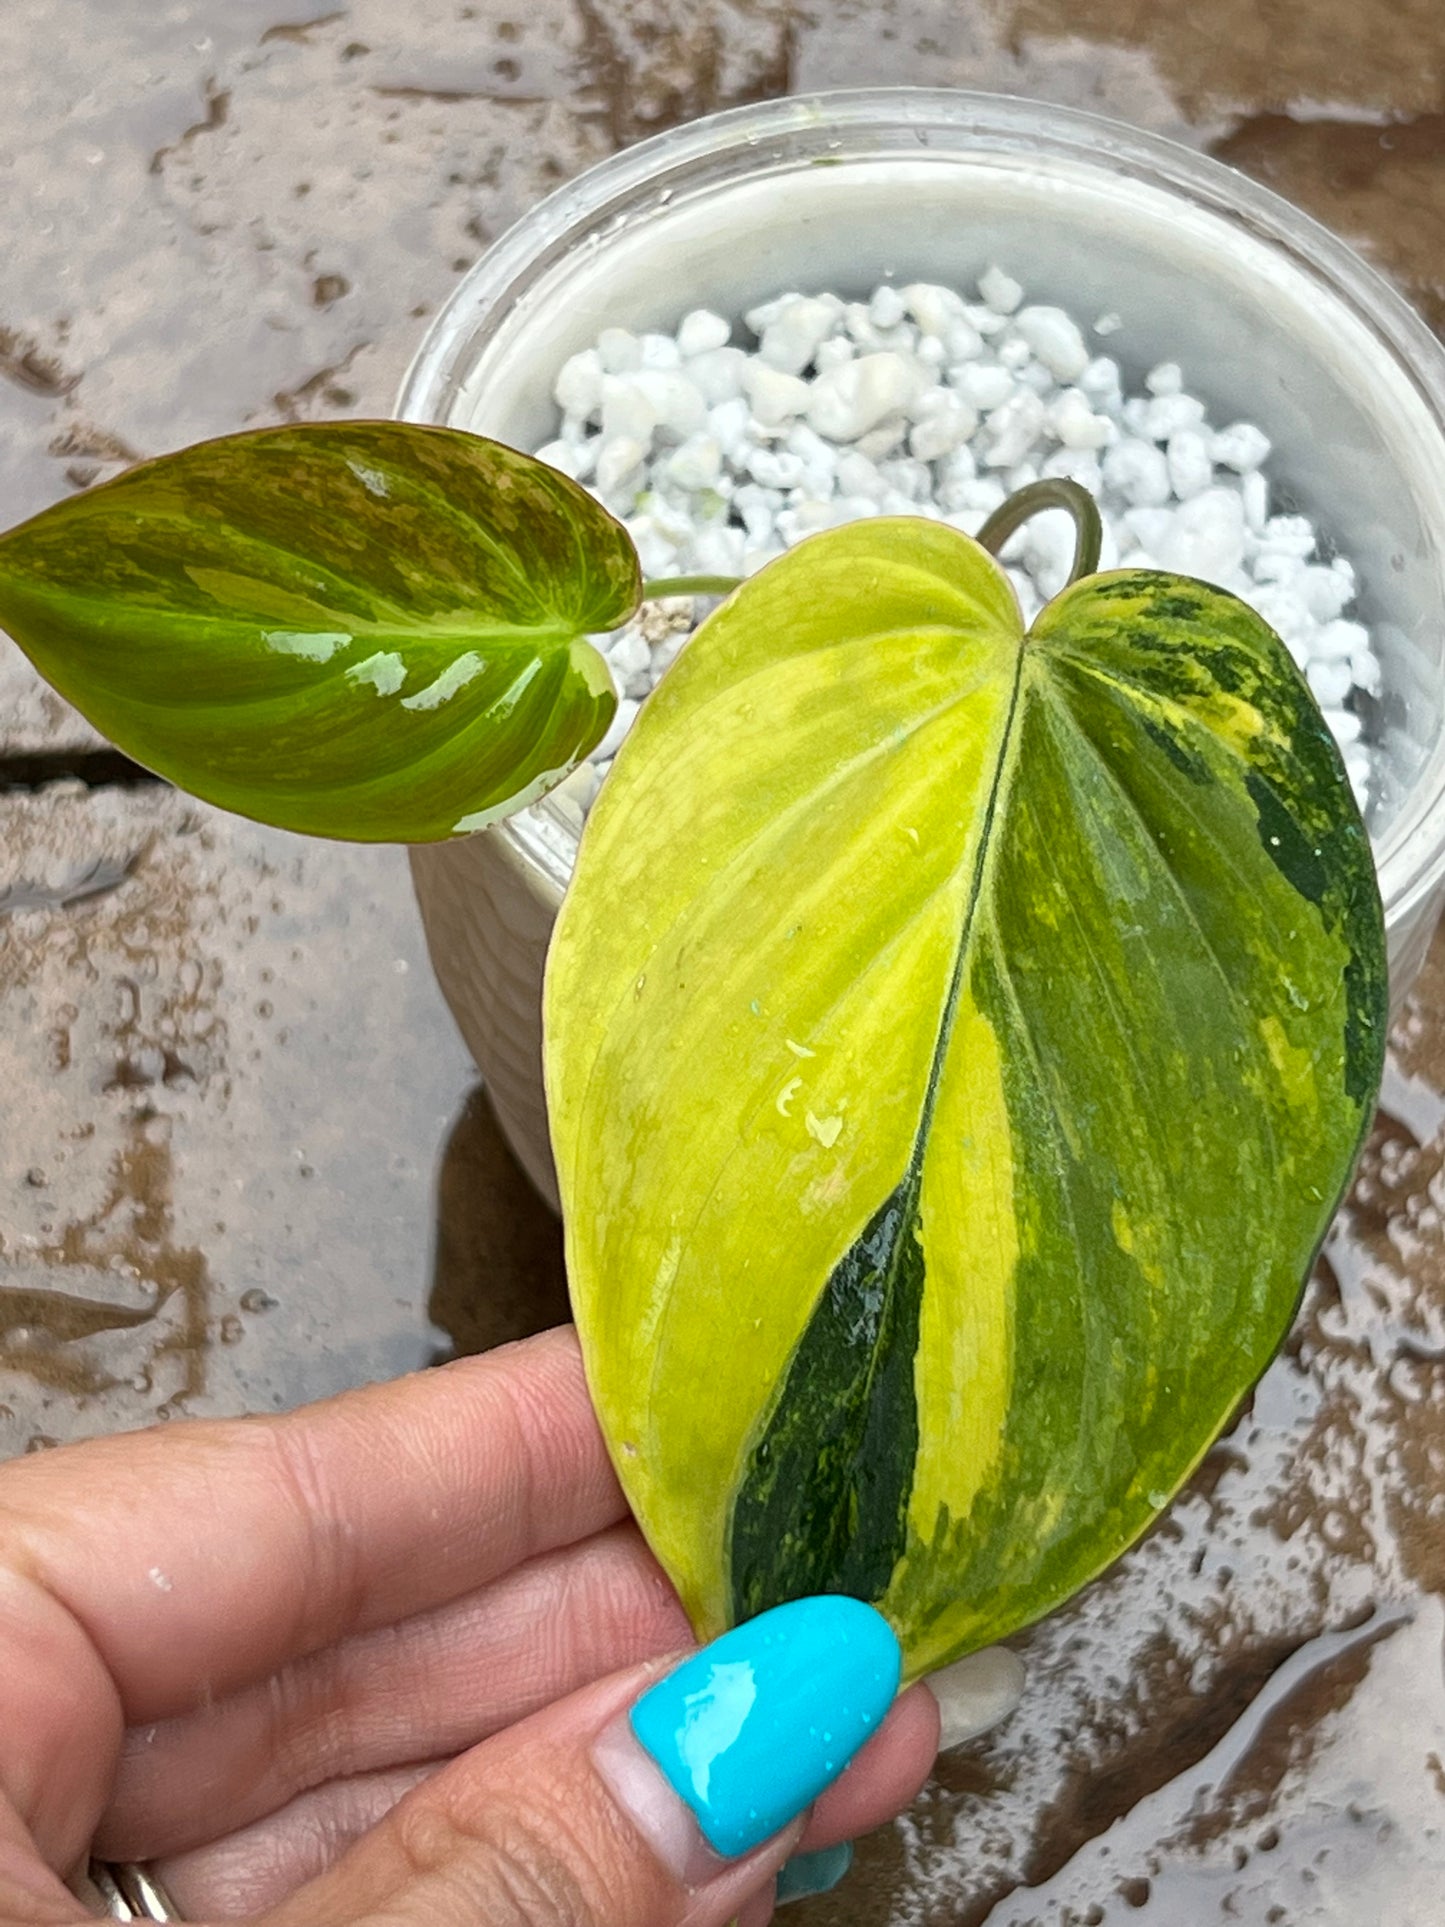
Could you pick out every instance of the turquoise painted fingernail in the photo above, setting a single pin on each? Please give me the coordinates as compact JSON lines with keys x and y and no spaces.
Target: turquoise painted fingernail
{"x":813,"y":1873}
{"x":750,"y":1730}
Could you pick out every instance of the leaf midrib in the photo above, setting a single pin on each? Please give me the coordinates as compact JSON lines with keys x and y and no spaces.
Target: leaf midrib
{"x":545,"y":641}
{"x":982,"y":868}
{"x":851,"y":767}
{"x":911,"y":1177}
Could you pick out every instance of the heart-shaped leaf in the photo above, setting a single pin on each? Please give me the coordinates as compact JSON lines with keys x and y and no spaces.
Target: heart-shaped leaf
{"x":957,"y":1045}
{"x":368,"y":630}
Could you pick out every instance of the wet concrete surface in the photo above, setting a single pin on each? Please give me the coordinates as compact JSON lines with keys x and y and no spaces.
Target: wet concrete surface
{"x":245,"y":1160}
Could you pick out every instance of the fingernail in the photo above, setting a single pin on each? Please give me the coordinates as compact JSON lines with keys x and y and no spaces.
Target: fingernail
{"x":749,"y":1731}
{"x":975,"y":1693}
{"x":668,"y":1824}
{"x":813,"y":1873}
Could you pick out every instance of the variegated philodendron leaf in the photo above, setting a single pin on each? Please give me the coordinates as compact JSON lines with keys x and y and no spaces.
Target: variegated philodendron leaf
{"x":957,"y":1045}
{"x":368,"y":630}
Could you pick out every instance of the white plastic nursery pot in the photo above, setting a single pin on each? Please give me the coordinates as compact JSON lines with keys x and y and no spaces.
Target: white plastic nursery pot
{"x":1273,"y":319}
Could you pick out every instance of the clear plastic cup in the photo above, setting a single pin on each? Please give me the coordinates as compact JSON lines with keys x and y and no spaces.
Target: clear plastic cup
{"x":1273,"y":319}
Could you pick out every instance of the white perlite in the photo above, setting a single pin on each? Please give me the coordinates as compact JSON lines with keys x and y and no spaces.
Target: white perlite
{"x":921,"y":402}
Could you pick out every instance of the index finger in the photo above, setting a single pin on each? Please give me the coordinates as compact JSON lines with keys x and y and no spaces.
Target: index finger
{"x":202,"y":1556}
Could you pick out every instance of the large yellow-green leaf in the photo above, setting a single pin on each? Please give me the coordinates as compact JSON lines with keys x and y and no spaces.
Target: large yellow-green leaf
{"x":369,"y":630}
{"x":957,"y":1045}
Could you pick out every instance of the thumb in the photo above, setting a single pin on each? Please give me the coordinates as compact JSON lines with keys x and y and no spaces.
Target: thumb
{"x":654,"y":1798}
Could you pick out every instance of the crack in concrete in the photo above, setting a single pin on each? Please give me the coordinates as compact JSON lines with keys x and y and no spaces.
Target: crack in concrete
{"x":289,"y":401}
{"x":449,"y":97}
{"x":299,"y":32}
{"x":218,"y":111}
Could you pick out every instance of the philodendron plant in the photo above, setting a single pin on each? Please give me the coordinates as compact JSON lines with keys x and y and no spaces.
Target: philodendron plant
{"x":958,"y":1037}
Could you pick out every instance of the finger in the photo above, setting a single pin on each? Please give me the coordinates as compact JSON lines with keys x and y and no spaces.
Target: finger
{"x":757,"y":1912}
{"x":30,"y":1892}
{"x":426,"y":1689}
{"x":197,"y":1558}
{"x":881,"y":1782}
{"x":261,"y":1865}
{"x":884,"y":1777}
{"x":977,"y":1693}
{"x":674,"y":1809}
{"x":61,"y":1724}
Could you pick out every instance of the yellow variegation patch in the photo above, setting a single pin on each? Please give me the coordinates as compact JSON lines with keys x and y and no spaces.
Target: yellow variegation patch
{"x":957,"y":1043}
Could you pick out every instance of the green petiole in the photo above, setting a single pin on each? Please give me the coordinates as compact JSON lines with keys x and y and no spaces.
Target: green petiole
{"x":1053,"y":493}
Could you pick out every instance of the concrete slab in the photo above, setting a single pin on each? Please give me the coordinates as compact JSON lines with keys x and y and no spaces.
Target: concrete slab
{"x":229,"y":1075}
{"x":244,"y":1160}
{"x":33,"y":719}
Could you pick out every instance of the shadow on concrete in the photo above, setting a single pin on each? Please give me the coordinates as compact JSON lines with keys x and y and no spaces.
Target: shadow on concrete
{"x":498,"y":1272}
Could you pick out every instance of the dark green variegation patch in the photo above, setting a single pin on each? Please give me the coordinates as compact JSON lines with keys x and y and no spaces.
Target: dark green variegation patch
{"x":823,"y":1502}
{"x":957,"y":1044}
{"x":367,"y":630}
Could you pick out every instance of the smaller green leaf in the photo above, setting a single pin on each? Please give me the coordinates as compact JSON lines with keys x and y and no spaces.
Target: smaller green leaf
{"x":368,"y":630}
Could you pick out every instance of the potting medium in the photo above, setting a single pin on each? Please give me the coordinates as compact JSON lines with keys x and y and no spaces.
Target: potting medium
{"x":720,"y":452}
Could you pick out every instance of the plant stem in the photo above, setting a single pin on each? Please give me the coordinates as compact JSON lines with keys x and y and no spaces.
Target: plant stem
{"x":1053,"y":493}
{"x":690,"y":585}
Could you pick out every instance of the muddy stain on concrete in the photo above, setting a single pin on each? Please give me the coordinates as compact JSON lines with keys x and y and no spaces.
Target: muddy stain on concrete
{"x":29,"y":366}
{"x":1380,"y":181}
{"x":126,"y":1245}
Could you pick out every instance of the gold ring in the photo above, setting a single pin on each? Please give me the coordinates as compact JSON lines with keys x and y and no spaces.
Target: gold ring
{"x":131,"y":1892}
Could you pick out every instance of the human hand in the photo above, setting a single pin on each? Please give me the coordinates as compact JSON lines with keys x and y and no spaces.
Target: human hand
{"x":371,"y":1661}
